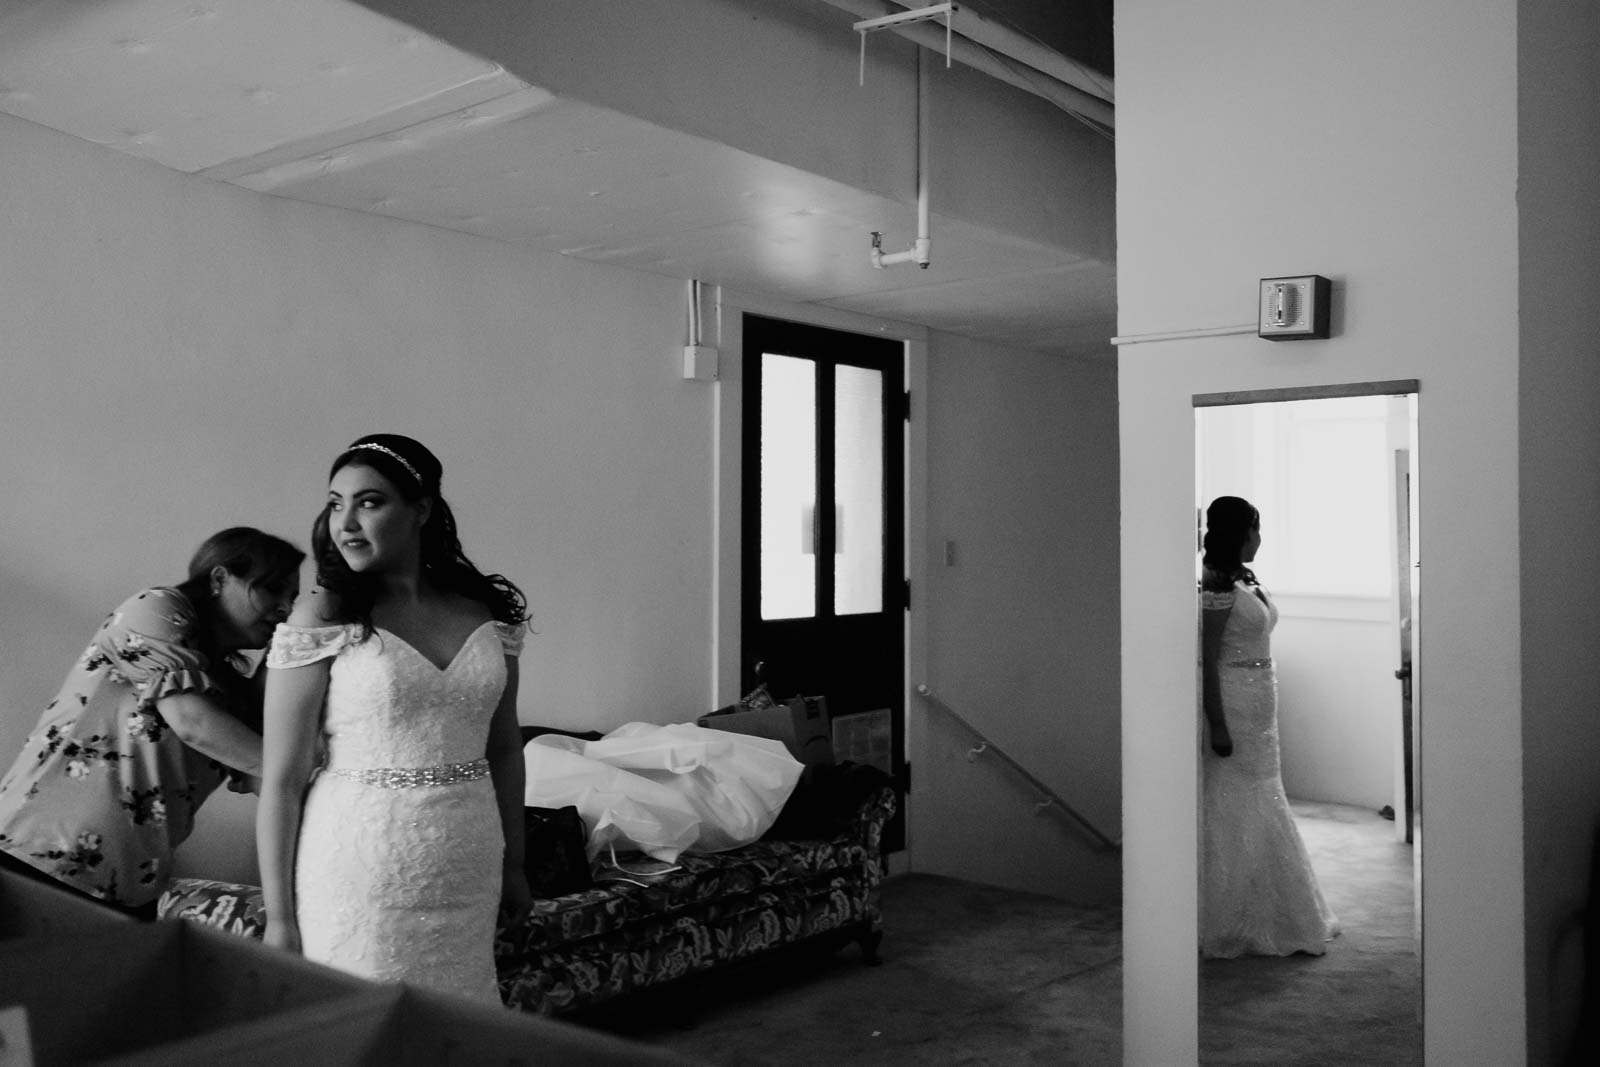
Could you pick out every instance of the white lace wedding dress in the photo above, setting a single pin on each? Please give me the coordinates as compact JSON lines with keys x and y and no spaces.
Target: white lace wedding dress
{"x":397,"y":876}
{"x":1258,"y":892}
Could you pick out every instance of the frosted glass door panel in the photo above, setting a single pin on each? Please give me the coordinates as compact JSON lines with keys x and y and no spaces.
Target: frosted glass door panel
{"x":788,"y":487}
{"x":858,"y":491}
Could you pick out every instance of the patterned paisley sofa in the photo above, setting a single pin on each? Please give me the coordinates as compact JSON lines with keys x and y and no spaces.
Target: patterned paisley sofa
{"x":815,"y":875}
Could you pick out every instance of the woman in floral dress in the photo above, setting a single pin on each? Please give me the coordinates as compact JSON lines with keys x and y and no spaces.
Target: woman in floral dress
{"x":154,"y":715}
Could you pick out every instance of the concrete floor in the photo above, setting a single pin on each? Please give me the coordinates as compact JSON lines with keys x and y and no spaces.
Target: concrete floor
{"x":1360,"y":1003}
{"x":973,"y":974}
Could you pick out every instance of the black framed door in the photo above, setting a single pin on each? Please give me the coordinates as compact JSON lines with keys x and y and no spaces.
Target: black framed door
{"x":823,"y":519}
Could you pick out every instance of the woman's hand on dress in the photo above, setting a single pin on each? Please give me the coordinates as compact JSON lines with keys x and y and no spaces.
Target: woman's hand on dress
{"x":1221,"y":740}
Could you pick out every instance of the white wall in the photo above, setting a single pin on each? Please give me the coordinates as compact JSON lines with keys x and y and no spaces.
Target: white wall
{"x":1022,"y":628}
{"x":1403,"y":189}
{"x":1559,"y":389}
{"x":1338,"y":699}
{"x":178,"y":355}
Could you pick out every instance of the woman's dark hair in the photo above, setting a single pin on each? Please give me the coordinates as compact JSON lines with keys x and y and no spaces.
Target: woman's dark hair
{"x":244,"y":552}
{"x":415,"y":473}
{"x":1229,"y":521}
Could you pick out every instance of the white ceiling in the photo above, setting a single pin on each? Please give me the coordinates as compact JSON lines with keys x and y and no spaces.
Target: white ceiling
{"x":326,"y":101}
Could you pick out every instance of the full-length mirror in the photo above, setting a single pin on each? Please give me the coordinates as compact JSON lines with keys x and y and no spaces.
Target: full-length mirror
{"x":1310,"y":826}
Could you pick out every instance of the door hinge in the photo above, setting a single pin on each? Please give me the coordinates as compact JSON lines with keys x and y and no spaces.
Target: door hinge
{"x":905,"y":777}
{"x":906,"y":599}
{"x":905,"y":406}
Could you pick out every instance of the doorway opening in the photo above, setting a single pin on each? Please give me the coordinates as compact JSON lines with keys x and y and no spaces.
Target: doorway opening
{"x":823,"y":602}
{"x":1333,"y":474}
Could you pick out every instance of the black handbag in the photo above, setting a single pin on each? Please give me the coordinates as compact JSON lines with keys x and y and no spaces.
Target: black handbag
{"x":555,"y":856}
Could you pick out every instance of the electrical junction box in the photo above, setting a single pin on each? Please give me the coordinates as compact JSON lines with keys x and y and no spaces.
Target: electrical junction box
{"x":699,"y":363}
{"x":1294,"y":309}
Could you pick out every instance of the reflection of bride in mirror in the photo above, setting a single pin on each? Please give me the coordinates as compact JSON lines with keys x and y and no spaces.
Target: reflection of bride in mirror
{"x":1258,"y":893}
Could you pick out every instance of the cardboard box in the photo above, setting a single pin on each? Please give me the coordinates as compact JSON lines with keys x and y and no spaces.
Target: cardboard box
{"x":33,"y":908}
{"x":865,"y":737}
{"x":801,"y":724}
{"x":178,"y":994}
{"x":157,"y":986}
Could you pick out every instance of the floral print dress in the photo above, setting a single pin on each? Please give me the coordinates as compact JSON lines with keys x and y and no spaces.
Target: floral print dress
{"x":103,"y":791}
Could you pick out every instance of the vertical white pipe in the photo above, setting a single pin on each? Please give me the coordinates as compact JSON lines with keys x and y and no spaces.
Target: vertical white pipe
{"x":695,"y":313}
{"x":920,"y":252}
{"x":923,"y":124}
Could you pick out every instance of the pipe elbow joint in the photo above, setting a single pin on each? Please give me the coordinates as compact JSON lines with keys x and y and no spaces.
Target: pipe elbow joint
{"x":919,"y":253}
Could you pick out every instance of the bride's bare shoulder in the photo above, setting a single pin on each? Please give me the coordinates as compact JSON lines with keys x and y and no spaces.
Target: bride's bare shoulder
{"x":315,"y":607}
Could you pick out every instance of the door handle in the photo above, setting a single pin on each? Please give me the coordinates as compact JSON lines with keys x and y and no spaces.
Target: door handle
{"x":1404,"y":673}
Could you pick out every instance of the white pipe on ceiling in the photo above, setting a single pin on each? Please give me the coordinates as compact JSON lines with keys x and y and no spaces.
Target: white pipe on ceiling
{"x":1007,"y":55}
{"x":921,"y":250}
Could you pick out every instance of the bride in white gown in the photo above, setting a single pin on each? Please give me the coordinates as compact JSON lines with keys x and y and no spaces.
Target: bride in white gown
{"x":1259,"y":894}
{"x":389,"y":853}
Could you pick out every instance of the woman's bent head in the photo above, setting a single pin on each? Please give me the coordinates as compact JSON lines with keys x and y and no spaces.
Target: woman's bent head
{"x":242,"y":582}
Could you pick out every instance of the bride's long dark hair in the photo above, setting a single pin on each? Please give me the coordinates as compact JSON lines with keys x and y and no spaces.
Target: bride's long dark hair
{"x":415,"y":473}
{"x":1229,"y":521}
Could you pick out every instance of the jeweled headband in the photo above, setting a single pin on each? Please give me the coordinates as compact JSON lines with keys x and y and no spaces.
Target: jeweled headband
{"x":392,"y":454}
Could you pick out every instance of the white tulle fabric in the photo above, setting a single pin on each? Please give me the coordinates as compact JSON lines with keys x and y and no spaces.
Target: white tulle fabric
{"x":402,"y":884}
{"x":1259,"y":894}
{"x":664,"y":789}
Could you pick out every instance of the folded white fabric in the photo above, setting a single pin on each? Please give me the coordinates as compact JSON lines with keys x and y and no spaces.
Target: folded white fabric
{"x":663,"y":789}
{"x":736,"y":783}
{"x":620,"y":809}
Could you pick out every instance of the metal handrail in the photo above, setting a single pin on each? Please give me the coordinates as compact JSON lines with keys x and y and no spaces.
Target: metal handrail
{"x":1051,"y":799}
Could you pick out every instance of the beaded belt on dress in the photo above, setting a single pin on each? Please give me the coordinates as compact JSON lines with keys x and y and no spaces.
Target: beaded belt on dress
{"x":1250,"y":664}
{"x":412,"y":777}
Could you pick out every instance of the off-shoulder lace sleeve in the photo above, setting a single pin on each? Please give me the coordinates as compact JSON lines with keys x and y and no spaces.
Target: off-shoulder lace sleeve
{"x":297,"y":646}
{"x":511,"y":635}
{"x":1210,"y":601}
